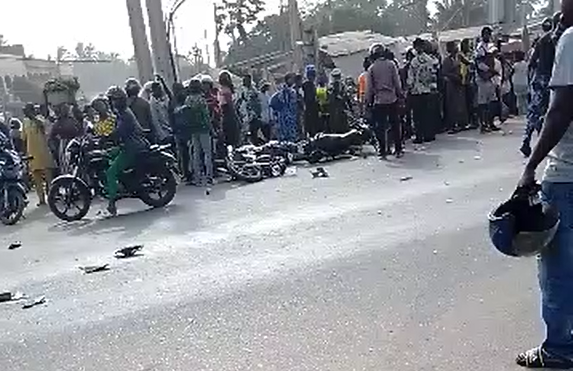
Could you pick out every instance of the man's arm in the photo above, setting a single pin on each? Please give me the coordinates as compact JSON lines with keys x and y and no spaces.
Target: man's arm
{"x":397,"y":82}
{"x":560,"y":113}
{"x":557,"y":121}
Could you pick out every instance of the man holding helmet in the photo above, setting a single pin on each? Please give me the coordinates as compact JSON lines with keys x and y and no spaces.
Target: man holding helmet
{"x":556,"y":263}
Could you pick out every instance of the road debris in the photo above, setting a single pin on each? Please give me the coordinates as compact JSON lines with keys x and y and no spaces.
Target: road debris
{"x":406,"y":178}
{"x":11,"y":296}
{"x":38,"y":301}
{"x":319,"y":172}
{"x":446,"y":183}
{"x":449,"y":201}
{"x":95,"y":268}
{"x":290,"y":171}
{"x":15,"y":245}
{"x":477,"y":158}
{"x":128,"y":252}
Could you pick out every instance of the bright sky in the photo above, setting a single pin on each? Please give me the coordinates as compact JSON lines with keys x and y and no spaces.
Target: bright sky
{"x":103,"y":23}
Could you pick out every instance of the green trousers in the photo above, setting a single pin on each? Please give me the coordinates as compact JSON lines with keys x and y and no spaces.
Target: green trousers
{"x":121,"y":160}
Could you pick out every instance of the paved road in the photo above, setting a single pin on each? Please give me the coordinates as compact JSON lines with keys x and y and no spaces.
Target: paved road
{"x":359,"y":271}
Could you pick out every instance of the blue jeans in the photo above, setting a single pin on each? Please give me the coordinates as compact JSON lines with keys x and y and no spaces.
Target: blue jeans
{"x":201,"y":146}
{"x":556,"y":275}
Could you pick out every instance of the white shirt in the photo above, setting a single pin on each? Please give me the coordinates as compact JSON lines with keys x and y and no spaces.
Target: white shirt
{"x":520,"y":74}
{"x":560,"y":161}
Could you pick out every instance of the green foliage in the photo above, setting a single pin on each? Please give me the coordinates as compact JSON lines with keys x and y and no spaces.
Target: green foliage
{"x":236,"y":15}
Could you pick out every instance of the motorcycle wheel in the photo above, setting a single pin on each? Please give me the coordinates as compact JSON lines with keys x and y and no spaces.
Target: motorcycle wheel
{"x":278,"y":169}
{"x":315,"y":157}
{"x":68,"y":192}
{"x":249,"y":173}
{"x":167,"y":190}
{"x":17,"y":203}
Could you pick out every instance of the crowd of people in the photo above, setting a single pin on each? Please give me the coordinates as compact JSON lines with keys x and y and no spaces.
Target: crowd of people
{"x":428,"y":92}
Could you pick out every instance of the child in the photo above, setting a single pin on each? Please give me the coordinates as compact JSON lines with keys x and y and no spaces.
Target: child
{"x":200,"y":131}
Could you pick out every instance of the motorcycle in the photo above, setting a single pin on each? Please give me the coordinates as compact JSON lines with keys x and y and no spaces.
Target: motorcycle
{"x":240,"y":165}
{"x":13,"y":190}
{"x":272,"y":163}
{"x":330,"y":146}
{"x":153,"y":174}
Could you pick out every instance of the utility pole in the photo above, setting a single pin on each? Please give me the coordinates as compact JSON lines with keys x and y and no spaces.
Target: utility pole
{"x":139,"y":37}
{"x":295,"y":34}
{"x":159,"y":44}
{"x":216,"y":45}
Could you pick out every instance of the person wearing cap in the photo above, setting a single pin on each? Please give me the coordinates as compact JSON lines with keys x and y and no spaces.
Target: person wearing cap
{"x":540,"y":67}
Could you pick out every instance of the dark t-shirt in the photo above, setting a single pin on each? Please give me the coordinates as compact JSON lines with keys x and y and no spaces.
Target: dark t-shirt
{"x":142,"y":111}
{"x":128,"y":132}
{"x":545,"y":55}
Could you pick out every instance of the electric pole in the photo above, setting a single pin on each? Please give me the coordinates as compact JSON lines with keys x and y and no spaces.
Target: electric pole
{"x":295,"y":34}
{"x":139,"y":37}
{"x":159,"y":44}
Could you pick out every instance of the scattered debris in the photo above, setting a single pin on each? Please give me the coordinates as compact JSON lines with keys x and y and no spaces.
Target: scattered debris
{"x":128,"y":252}
{"x":15,"y":245}
{"x":510,"y":132}
{"x":38,"y":301}
{"x":477,"y":158}
{"x":449,"y":201}
{"x":5,"y":296}
{"x":380,"y":212}
{"x":461,"y":161}
{"x":406,"y":178}
{"x":446,"y":183}
{"x":290,"y":171}
{"x":435,"y":252}
{"x":95,"y":268}
{"x":320,"y":172}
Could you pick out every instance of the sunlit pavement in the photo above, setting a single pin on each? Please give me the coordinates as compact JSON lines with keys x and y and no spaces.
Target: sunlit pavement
{"x":381,"y":266}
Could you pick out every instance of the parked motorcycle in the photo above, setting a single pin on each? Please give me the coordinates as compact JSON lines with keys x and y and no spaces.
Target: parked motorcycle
{"x":151,"y":179}
{"x":13,"y":190}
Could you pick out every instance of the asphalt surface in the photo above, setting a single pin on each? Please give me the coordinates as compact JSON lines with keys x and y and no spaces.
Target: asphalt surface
{"x":381,"y":266}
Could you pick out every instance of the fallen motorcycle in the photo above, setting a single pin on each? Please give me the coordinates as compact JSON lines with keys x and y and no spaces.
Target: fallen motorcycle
{"x":330,"y":146}
{"x":151,"y":179}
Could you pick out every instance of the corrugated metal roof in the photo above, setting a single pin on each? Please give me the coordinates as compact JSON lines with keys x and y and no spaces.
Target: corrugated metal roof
{"x":352,"y":42}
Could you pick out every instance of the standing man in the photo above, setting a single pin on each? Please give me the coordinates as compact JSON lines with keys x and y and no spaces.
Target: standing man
{"x":285,"y":104}
{"x":556,"y":264}
{"x":312,"y":123}
{"x":140,"y":108}
{"x":383,"y":92}
{"x":422,"y":81}
{"x":36,"y":145}
{"x":160,"y":102}
{"x":454,"y":90}
{"x":485,"y":64}
{"x":249,"y":103}
{"x":540,"y":65}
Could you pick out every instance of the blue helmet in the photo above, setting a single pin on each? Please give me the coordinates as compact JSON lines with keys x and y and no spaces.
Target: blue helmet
{"x":525,"y":225}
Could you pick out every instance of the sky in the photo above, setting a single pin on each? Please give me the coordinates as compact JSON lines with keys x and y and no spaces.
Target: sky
{"x":104,"y":23}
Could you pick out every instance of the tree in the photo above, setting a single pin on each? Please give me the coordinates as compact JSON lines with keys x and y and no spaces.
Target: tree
{"x":452,"y":14}
{"x":3,"y":41}
{"x":61,"y":54}
{"x":236,"y":15}
{"x":85,"y":52}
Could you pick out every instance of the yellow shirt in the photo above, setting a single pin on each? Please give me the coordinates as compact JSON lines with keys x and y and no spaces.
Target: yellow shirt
{"x":36,"y":141}
{"x":104,"y":128}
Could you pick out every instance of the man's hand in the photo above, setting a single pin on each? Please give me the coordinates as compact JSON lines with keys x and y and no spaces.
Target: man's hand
{"x":527,"y":178}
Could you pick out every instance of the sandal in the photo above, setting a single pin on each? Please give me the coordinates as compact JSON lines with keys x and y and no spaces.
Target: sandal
{"x":539,"y":358}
